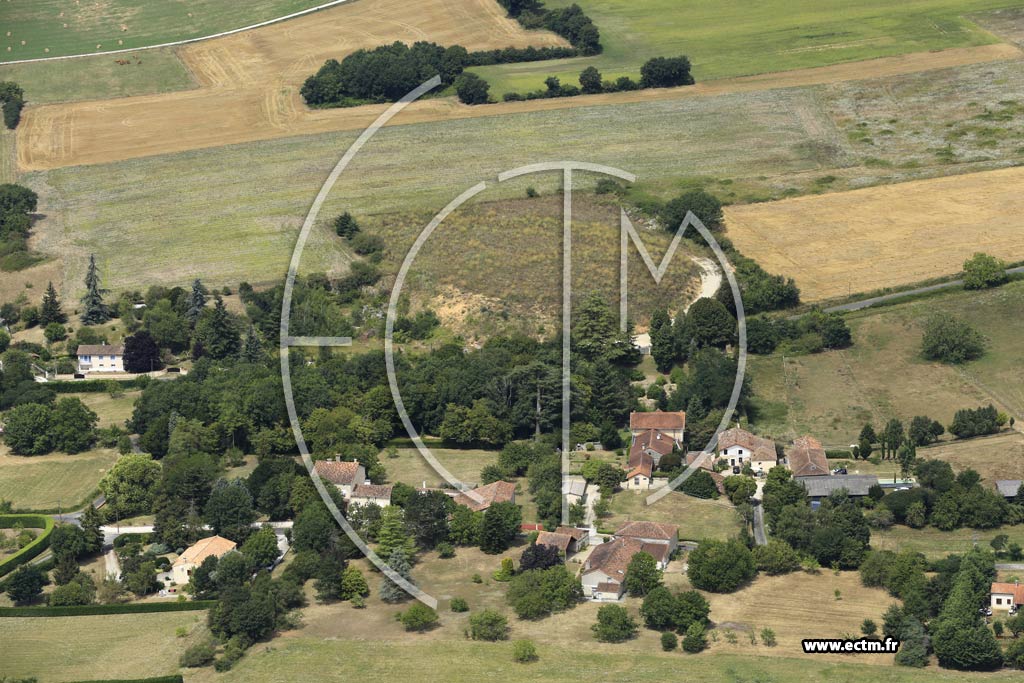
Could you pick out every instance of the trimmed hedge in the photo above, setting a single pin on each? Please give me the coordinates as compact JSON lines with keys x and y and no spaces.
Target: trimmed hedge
{"x":93,"y":610}
{"x":124,"y":539}
{"x":159,"y":679}
{"x":46,"y":565}
{"x":32,"y":550}
{"x":94,"y":386}
{"x":837,"y":453}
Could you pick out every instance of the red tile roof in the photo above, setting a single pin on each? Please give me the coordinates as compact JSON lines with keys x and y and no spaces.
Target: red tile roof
{"x":761,"y":447}
{"x":560,"y":541}
{"x":372,"y":491}
{"x":614,"y":557}
{"x":496,"y":492}
{"x":216,"y":546}
{"x":708,"y":464}
{"x":572,"y":532}
{"x":657,"y":420}
{"x":1014,"y":589}
{"x":609,"y":587}
{"x":337,"y":472}
{"x":807,"y":458}
{"x":640,"y":529}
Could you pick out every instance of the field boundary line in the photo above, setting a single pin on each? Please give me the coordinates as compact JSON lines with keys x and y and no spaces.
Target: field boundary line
{"x":187,"y":41}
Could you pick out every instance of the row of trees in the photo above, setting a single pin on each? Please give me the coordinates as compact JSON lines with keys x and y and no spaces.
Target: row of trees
{"x":657,"y":72}
{"x":569,"y":22}
{"x":17,"y":203}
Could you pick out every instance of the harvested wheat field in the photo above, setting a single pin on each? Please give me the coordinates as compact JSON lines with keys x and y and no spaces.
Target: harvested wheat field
{"x":888,"y":236}
{"x":250,"y":84}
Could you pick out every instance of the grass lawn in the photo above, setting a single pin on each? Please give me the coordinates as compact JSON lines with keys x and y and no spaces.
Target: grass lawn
{"x":46,"y":481}
{"x":741,"y":38}
{"x":88,"y":78}
{"x":123,"y":646}
{"x":411,"y":468}
{"x":53,"y":28}
{"x":696,"y":518}
{"x":112,"y":410}
{"x":993,"y":457}
{"x":831,"y":395}
{"x":934,"y":543}
{"x":236,"y":210}
{"x":8,"y":166}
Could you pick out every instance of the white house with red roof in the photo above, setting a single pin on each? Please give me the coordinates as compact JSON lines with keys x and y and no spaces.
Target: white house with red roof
{"x":739,"y":447}
{"x":1006,"y":596}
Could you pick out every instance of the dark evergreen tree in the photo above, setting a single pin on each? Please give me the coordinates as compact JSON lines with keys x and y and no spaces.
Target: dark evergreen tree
{"x":141,"y":353}
{"x":94,"y":311}
{"x":252,"y":351}
{"x":196,"y":302}
{"x":216,"y":331}
{"x":51,"y":311}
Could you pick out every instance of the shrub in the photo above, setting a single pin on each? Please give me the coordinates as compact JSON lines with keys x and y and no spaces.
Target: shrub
{"x":472,"y":89}
{"x":768,"y":637}
{"x":666,"y":72}
{"x":459,"y":605}
{"x":982,"y":271}
{"x":419,"y":618}
{"x":614,"y":625}
{"x":695,"y":639}
{"x":524,"y":651}
{"x":200,"y":654}
{"x":488,"y":625}
{"x":951,"y":340}
{"x":669,"y":641}
{"x":445,"y":550}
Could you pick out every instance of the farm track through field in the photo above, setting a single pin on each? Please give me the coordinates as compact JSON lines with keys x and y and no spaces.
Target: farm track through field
{"x":240,"y":74}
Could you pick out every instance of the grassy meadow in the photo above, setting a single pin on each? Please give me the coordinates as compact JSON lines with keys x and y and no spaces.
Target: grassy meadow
{"x":696,"y":518}
{"x":45,"y":481}
{"x":724,"y":39}
{"x":54,"y":28}
{"x":411,"y":468}
{"x":233,"y":212}
{"x":934,"y":543}
{"x":119,"y":646}
{"x":112,"y":410}
{"x":883,"y":375}
{"x":88,"y":78}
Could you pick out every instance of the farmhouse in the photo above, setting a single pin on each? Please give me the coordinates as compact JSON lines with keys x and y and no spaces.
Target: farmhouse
{"x":651,"y":532}
{"x":669,"y":424}
{"x":739,"y":447}
{"x":100,"y":358}
{"x":605,"y":570}
{"x":367,"y":493}
{"x":213,"y":546}
{"x":807,"y":458}
{"x":1008,"y":488}
{"x":497,"y":492}
{"x":1007,"y":596}
{"x":344,"y":475}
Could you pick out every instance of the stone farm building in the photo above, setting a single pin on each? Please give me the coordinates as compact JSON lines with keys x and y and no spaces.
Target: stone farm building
{"x":605,"y":569}
{"x":345,"y":476}
{"x":738,"y":447}
{"x":807,"y":458}
{"x":653,"y":436}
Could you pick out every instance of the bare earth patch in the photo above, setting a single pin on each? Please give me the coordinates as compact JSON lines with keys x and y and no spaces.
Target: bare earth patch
{"x":863,"y":240}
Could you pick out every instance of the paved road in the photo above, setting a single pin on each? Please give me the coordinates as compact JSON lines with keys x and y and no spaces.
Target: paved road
{"x":867,"y":303}
{"x":1013,"y":566}
{"x":760,"y":537}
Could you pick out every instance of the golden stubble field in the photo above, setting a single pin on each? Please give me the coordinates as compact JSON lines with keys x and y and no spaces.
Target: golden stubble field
{"x":249,"y":84}
{"x":868,"y":239}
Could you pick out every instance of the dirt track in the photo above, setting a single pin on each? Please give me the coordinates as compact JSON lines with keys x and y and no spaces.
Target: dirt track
{"x":249,"y":84}
{"x":864,"y":240}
